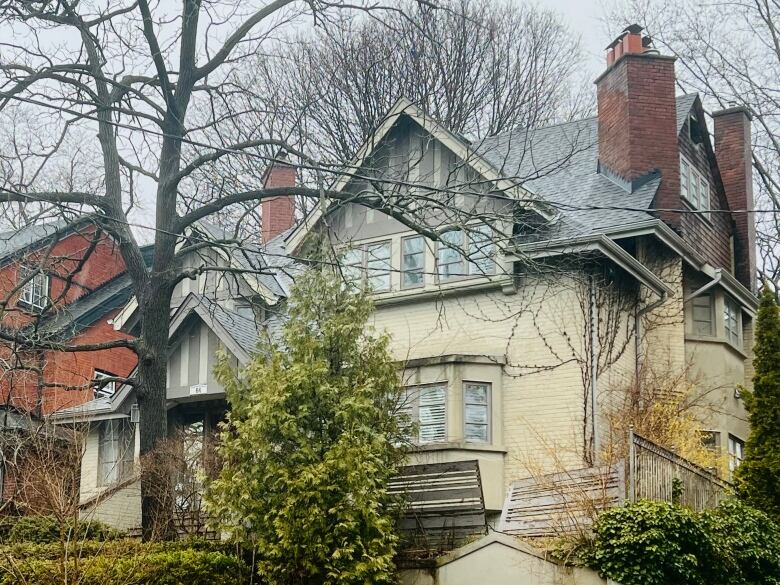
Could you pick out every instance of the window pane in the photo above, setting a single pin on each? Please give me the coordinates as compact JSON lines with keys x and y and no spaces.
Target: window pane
{"x":702,"y":315}
{"x":684,"y":179}
{"x":432,"y":414}
{"x":481,"y":250}
{"x":736,"y":452}
{"x":35,"y":291}
{"x":704,"y":195}
{"x":693,"y":190}
{"x":449,"y":259}
{"x":476,"y":415}
{"x":413,"y":261}
{"x":352,"y":266}
{"x":378,"y":266}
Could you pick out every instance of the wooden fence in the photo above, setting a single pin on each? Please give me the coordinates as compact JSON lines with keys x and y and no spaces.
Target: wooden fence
{"x":656,"y":473}
{"x":442,"y":505}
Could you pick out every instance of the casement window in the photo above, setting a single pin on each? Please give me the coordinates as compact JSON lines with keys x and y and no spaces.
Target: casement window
{"x":412,"y":262}
{"x":710,"y":440}
{"x":476,"y":412}
{"x":426,"y":408}
{"x":104,"y":390}
{"x":703,"y":310}
{"x":369,"y":265}
{"x":115,"y":451}
{"x":450,"y":262}
{"x":35,"y":292}
{"x":731,"y":321}
{"x":481,"y":250}
{"x":736,"y":452}
{"x":694,"y":187}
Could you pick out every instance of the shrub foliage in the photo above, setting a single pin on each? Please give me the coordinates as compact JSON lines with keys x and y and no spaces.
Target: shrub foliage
{"x":658,"y":543}
{"x":310,"y":444}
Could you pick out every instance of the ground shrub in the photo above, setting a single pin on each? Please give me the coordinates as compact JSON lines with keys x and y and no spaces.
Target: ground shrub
{"x":658,"y":543}
{"x":46,"y":529}
{"x":140,"y":565}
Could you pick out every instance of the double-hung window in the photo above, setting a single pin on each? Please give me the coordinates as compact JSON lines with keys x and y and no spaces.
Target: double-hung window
{"x":703,"y":314}
{"x":369,"y":265}
{"x":450,"y":262}
{"x":481,"y":250}
{"x":426,"y":408}
{"x":103,"y":390}
{"x":476,"y":412}
{"x":736,"y":452}
{"x":731,"y":321}
{"x":35,"y":292}
{"x":115,"y":451}
{"x":412,"y":262}
{"x":694,"y":187}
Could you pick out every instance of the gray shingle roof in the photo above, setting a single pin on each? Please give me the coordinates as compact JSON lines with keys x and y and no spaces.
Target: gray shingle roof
{"x":560,"y":165}
{"x":13,"y":241}
{"x":242,"y":329}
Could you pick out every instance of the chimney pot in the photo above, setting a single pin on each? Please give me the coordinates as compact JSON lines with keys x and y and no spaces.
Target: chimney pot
{"x":610,"y":56}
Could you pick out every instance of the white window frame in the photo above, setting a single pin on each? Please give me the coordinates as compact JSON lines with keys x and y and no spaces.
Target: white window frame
{"x":694,"y":187}
{"x":732,"y":321}
{"x":116,"y":451}
{"x":359,"y":268}
{"x":35,"y":292}
{"x":411,"y":408}
{"x":736,"y":448}
{"x":442,"y":248}
{"x":482,"y":254}
{"x":419,"y":270}
{"x":487,"y":405}
{"x":107,"y":390}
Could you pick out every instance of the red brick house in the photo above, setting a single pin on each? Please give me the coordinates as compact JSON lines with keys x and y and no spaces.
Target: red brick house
{"x":61,"y":282}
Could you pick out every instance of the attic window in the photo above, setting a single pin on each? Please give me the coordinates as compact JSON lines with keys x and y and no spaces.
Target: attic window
{"x":35,"y":292}
{"x":696,"y":130}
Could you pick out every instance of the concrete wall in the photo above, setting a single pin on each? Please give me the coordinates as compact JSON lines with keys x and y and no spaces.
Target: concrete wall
{"x":499,"y":560}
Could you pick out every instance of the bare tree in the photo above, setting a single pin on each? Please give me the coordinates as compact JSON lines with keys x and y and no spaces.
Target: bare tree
{"x":730,"y":53}
{"x":479,"y":67}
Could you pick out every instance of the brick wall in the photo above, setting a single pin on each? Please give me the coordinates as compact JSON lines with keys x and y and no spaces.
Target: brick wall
{"x":638,"y":126}
{"x":278,"y":213}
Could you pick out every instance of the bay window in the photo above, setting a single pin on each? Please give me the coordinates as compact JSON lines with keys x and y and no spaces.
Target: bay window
{"x":426,"y":407}
{"x":476,"y":412}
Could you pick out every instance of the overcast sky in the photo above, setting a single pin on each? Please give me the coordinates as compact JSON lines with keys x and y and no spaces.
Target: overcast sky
{"x":584,"y":17}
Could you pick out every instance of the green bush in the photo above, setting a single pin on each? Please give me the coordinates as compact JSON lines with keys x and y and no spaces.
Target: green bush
{"x":46,"y":529}
{"x":658,"y":543}
{"x":747,"y":541}
{"x":37,"y":529}
{"x":172,"y":567}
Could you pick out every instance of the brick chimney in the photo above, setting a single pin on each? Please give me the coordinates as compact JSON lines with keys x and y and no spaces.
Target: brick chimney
{"x":732,"y":149}
{"x":278,"y":213}
{"x":637,"y":118}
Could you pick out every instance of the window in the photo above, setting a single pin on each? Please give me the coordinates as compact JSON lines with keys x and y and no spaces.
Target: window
{"x":35,"y":293}
{"x":106,"y":389}
{"x":731,"y":321}
{"x":378,"y":265}
{"x":115,"y":451}
{"x":481,"y":250}
{"x":703,"y":315}
{"x":412,"y":262}
{"x":710,"y":440}
{"x":736,"y":452}
{"x":449,"y":259}
{"x":372,"y":262}
{"x":426,"y":406}
{"x":476,"y":412}
{"x":694,"y":187}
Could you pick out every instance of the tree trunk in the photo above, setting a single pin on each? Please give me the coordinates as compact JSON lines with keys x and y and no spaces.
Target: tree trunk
{"x":156,"y":483}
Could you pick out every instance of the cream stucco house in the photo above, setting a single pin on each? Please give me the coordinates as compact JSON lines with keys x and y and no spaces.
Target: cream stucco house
{"x":528,"y":281}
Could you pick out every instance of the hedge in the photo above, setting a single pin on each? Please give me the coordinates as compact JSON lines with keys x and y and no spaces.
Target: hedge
{"x":658,"y":543}
{"x":173,"y":567}
{"x":46,"y":529}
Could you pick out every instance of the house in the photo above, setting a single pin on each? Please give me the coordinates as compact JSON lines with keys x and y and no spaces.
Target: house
{"x":530,"y":281}
{"x":61,"y":282}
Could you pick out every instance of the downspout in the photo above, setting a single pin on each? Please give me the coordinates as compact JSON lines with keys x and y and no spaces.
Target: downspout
{"x":594,"y":366}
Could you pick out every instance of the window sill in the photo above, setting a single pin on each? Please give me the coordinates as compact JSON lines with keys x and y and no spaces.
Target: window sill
{"x":704,"y":339}
{"x":457,"y":446}
{"x":450,"y":288}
